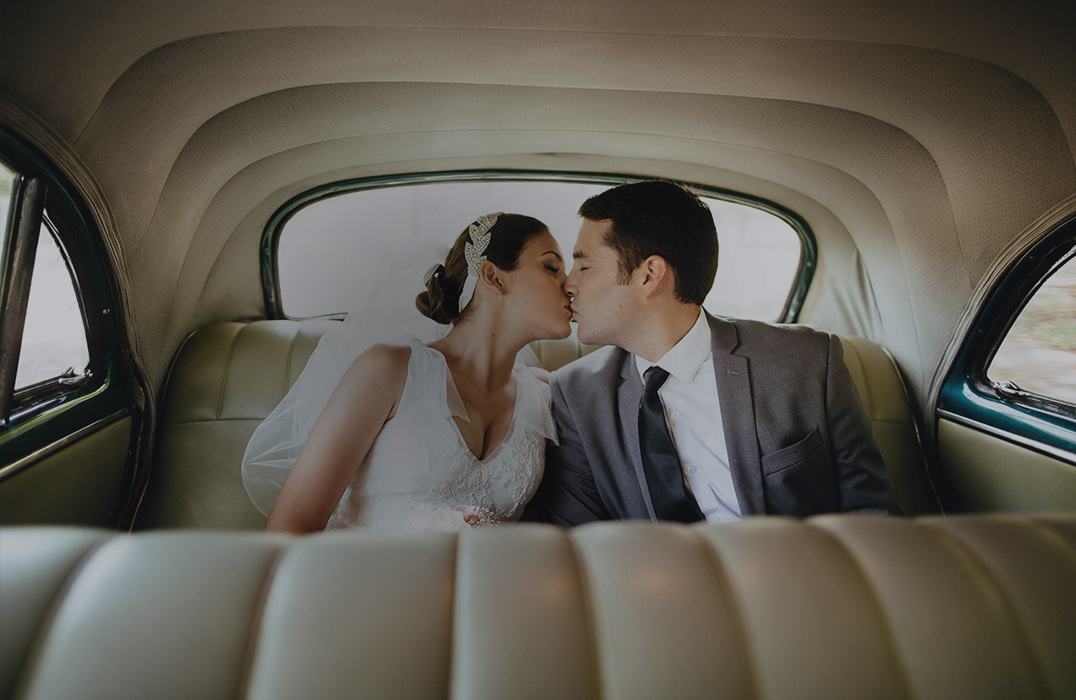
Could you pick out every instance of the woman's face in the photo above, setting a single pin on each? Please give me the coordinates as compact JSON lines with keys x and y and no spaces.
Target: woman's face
{"x":537,"y":292}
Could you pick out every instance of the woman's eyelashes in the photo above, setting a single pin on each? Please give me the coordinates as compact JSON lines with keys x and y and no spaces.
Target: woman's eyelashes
{"x":552,"y":268}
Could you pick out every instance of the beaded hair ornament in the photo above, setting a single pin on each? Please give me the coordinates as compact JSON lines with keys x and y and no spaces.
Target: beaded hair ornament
{"x":474,"y":249}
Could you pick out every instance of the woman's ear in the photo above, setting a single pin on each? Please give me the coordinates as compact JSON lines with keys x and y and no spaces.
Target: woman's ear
{"x":492,"y":276}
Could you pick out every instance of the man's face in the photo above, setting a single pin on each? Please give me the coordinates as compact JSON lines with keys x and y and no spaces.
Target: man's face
{"x":600,"y":304}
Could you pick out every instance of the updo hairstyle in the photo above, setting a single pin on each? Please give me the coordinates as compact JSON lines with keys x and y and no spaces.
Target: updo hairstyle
{"x":508,"y":237}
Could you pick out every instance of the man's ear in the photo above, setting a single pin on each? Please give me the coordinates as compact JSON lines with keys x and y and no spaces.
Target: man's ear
{"x":652,"y":272}
{"x":492,"y":276}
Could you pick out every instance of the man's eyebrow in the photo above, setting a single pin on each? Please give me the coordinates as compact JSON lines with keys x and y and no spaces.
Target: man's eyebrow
{"x":576,"y":255}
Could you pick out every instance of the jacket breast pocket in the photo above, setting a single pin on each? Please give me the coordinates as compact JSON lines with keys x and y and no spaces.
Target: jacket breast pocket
{"x":793,"y":454}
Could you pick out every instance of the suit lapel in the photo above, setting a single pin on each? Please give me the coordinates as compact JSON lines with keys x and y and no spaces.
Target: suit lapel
{"x":629,"y":394}
{"x":732,"y":374}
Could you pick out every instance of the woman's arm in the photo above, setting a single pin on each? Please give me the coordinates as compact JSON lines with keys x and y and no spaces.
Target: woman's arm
{"x":365,"y":399}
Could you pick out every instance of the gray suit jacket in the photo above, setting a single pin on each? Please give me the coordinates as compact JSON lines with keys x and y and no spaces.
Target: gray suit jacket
{"x":798,"y":439}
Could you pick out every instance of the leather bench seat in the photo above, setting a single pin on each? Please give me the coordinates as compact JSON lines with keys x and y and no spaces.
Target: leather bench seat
{"x":227,"y":377}
{"x":832,"y":607}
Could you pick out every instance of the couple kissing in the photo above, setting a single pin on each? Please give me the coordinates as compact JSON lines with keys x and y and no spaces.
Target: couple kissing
{"x":682,"y":416}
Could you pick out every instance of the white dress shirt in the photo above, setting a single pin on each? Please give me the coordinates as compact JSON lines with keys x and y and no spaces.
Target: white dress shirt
{"x":693,"y":415}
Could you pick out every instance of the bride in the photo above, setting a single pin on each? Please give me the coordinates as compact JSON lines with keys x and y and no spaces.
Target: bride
{"x":424,"y":435}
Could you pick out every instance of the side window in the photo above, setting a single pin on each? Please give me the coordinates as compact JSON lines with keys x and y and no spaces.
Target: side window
{"x":46,"y":344}
{"x":1038,"y":354}
{"x":7,"y":187}
{"x":54,"y":335}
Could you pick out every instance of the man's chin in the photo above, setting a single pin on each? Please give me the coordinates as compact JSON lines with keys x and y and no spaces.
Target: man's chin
{"x":584,"y":336}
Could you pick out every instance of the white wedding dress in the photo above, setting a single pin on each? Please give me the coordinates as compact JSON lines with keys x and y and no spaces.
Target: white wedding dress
{"x":420,"y":475}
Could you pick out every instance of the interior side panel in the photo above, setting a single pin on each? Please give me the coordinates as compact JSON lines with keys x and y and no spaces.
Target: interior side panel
{"x":982,"y":472}
{"x":80,"y":484}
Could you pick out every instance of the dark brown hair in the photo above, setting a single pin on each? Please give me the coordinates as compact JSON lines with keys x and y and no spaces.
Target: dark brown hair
{"x":508,"y":237}
{"x":658,"y":217}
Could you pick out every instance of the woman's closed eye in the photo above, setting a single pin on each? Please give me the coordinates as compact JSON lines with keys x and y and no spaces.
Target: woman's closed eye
{"x":552,"y":268}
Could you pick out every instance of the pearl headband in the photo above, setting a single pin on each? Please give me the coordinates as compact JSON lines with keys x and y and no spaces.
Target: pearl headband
{"x":474,"y":250}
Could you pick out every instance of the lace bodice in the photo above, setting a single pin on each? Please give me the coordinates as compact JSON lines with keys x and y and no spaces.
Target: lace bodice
{"x":420,"y":474}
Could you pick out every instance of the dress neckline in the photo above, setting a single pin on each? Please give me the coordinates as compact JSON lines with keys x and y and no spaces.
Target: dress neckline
{"x":454,"y":393}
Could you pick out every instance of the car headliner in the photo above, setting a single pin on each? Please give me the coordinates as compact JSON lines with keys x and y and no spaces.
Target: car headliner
{"x":917,"y":139}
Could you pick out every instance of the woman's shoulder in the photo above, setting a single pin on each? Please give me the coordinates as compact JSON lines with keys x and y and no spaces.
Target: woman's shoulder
{"x":384,"y":364}
{"x":386,"y":356}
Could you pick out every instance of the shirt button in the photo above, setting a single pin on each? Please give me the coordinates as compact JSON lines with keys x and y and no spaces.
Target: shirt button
{"x":676,"y":416}
{"x":691,"y":470}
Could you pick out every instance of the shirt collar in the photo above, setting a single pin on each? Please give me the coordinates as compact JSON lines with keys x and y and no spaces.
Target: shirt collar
{"x":684,"y":359}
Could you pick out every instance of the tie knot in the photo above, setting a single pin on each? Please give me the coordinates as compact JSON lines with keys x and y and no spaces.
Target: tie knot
{"x":653,"y":378}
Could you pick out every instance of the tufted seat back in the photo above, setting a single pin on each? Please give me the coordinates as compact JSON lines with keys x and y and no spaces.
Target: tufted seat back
{"x":227,"y":377}
{"x":836,"y":606}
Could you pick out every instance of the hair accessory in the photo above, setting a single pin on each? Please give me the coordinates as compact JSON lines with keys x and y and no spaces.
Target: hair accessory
{"x":473,"y":250}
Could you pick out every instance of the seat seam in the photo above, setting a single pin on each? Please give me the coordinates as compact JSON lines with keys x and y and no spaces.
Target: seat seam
{"x":36,"y":648}
{"x":736,"y":610}
{"x":586,"y":590}
{"x":876,"y":600}
{"x":228,"y":368}
{"x":925,"y":466}
{"x":250,"y":655}
{"x":211,"y":421}
{"x":1007,"y":606}
{"x":453,"y":617}
{"x":291,"y":356}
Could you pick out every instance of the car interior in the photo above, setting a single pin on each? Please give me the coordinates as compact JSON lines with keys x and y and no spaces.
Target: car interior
{"x":153,"y":156}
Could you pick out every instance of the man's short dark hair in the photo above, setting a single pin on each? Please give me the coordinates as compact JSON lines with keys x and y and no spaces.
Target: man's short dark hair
{"x":657,"y":217}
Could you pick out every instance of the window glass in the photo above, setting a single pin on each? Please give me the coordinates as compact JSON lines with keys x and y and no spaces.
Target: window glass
{"x":7,"y":184}
{"x":1039,"y":353}
{"x":335,"y":249}
{"x":54,"y":336}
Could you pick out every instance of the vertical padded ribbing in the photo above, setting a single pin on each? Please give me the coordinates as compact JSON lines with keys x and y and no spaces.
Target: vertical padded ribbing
{"x":814,"y":626}
{"x":885,"y":400}
{"x":665,"y":621}
{"x":839,"y":606}
{"x":156,"y":616}
{"x":953,"y":627}
{"x":1034,"y":570}
{"x":358,"y":614}
{"x":521,"y":619}
{"x":36,"y":565}
{"x":198,"y":374}
{"x":258,"y":369}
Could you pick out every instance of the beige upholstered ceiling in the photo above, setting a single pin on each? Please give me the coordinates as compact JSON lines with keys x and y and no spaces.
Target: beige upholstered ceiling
{"x":916,"y":138}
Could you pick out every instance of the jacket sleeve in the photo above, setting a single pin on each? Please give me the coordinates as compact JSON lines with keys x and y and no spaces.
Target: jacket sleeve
{"x":863,"y":481}
{"x":568,"y":494}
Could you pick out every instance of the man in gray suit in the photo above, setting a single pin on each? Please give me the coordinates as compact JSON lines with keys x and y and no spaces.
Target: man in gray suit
{"x":684,"y":416}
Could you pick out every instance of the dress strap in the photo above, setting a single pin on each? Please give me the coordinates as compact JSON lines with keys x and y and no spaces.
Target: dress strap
{"x":430,"y":382}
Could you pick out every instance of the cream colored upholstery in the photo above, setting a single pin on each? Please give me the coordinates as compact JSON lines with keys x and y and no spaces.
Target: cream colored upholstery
{"x":225,"y":380}
{"x":837,"y":606}
{"x":228,"y":376}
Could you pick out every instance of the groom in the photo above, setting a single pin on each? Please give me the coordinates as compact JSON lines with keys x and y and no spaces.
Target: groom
{"x":685,"y":416}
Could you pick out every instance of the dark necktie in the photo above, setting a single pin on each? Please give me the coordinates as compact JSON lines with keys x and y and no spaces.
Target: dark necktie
{"x":661,"y":463}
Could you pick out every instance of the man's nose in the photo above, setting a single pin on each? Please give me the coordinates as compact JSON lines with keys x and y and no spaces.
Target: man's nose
{"x":569,"y":284}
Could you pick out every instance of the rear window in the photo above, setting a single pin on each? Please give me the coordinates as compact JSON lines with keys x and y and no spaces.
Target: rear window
{"x":336,"y":248}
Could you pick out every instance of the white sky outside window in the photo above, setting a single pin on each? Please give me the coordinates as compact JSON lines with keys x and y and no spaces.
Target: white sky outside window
{"x":7,"y":180}
{"x":54,"y":337}
{"x":336,"y":250}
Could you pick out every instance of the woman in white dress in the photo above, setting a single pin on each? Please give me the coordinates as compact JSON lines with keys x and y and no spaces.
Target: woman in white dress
{"x":424,"y":435}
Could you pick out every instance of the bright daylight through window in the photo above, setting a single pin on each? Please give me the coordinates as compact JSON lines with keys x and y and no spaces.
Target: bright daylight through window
{"x":1039,"y":353}
{"x":336,"y":250}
